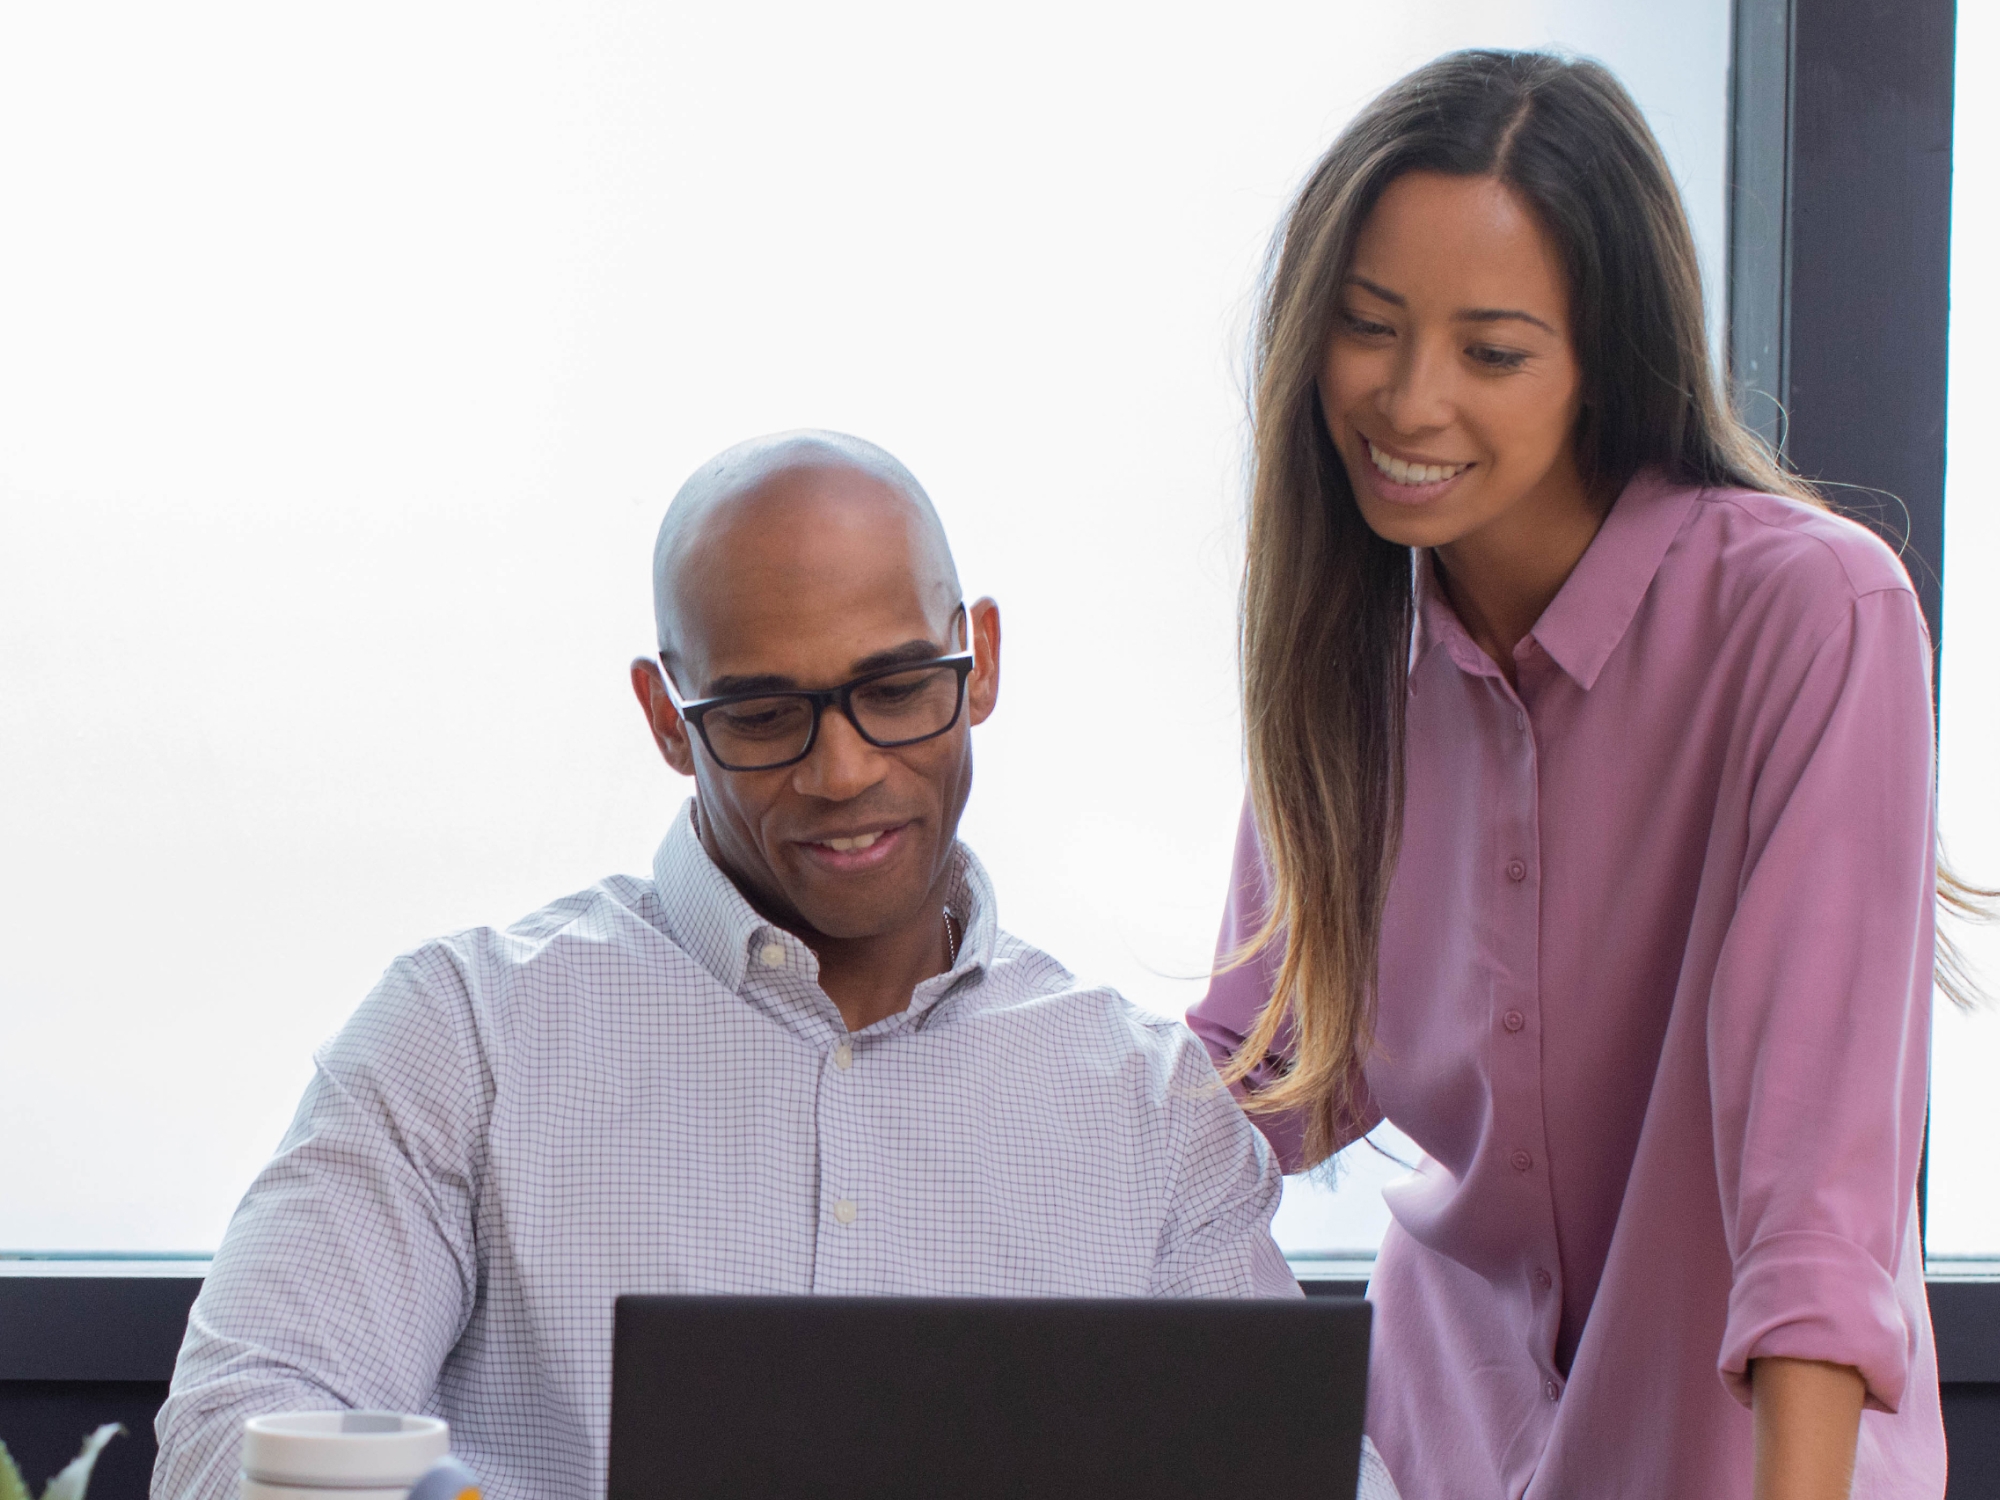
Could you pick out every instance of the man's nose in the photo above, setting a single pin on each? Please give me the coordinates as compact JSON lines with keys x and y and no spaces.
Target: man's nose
{"x":842,"y":764}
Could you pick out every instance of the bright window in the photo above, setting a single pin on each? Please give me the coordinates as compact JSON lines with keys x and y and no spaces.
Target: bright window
{"x":349,"y":356}
{"x":1965,"y":1106}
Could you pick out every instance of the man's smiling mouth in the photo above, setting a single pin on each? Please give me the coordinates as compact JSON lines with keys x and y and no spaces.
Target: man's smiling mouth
{"x":863,"y":849}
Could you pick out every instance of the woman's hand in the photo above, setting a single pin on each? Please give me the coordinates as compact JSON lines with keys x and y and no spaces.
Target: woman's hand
{"x":1808,"y":1417}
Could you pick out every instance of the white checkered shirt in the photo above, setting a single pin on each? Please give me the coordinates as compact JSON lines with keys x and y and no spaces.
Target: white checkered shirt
{"x":642,"y":1088}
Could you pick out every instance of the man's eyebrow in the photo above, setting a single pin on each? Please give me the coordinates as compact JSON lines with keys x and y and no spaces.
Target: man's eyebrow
{"x":897,"y":656}
{"x":1464,"y":315}
{"x":761,"y":682}
{"x":775,"y":682}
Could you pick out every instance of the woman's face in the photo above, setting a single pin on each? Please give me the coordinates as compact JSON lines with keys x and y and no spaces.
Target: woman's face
{"x":1449,"y":384}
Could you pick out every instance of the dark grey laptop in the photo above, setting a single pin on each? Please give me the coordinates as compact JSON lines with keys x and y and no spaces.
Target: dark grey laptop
{"x":893,"y":1398}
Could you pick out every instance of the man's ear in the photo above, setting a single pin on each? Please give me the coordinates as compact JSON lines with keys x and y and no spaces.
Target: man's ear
{"x":982,"y":689}
{"x":669,"y":730}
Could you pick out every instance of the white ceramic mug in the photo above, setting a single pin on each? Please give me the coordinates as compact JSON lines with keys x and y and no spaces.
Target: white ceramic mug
{"x":339,"y":1455}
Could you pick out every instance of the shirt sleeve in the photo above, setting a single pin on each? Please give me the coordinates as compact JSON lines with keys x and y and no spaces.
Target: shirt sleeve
{"x":1238,"y":991}
{"x":1224,"y":1188}
{"x":1819,"y":1021}
{"x":348,"y":1271}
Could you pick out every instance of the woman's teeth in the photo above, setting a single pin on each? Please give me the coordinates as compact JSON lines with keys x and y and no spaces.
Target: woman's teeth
{"x":1399,"y":472}
{"x":848,"y":846}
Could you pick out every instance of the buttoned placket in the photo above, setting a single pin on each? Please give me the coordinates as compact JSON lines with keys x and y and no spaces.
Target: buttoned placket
{"x":1512,"y":852}
{"x":844,"y":1148}
{"x":1519,"y":1016}
{"x":842,"y":1260}
{"x":781,"y":977}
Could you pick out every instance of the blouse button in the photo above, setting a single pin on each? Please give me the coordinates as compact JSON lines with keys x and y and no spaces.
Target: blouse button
{"x":1516,"y":870}
{"x":1522,"y":1161}
{"x":1551,"y":1389}
{"x":1513,"y":1020}
{"x":1544,"y":1280}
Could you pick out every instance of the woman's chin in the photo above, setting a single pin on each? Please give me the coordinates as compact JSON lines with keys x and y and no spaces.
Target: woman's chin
{"x":1409,"y":526}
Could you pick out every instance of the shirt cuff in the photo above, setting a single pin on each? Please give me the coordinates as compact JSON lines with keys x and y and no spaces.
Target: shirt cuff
{"x":1811,"y":1295}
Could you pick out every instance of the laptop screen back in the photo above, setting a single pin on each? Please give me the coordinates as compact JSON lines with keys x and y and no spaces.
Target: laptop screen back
{"x":980,"y":1398}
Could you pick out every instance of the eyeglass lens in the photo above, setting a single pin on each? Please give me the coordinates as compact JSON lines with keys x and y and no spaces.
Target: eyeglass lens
{"x":895,"y":710}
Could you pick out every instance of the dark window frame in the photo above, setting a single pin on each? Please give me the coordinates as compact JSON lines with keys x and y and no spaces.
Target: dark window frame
{"x":1840,"y":265}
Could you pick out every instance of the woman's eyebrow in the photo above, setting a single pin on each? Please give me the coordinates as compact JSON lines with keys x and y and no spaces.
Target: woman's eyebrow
{"x":1394,"y":299}
{"x":1498,"y":315}
{"x":1464,"y":315}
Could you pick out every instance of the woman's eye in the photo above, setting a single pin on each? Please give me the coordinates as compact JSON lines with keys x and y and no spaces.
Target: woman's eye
{"x":1497,"y":359}
{"x":1366,"y":328}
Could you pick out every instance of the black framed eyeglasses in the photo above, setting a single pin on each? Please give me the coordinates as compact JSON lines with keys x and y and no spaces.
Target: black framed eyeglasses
{"x":889,"y":708}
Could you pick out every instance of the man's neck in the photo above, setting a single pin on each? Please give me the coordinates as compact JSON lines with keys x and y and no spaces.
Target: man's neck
{"x":868,"y":979}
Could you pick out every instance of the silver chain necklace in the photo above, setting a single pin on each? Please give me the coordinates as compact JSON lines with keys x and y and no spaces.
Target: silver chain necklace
{"x":950,"y":940}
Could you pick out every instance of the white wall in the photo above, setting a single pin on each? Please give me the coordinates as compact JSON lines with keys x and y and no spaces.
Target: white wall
{"x":348,"y":356}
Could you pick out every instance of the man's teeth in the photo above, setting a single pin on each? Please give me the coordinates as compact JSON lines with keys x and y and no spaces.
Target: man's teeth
{"x":848,"y":846}
{"x":1402,"y":473}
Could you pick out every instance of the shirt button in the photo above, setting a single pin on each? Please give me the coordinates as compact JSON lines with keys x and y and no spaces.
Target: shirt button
{"x":1521,"y":1161}
{"x":843,"y":1057}
{"x":1513,"y":1020}
{"x":845,"y":1211}
{"x":1544,"y":1280}
{"x":771,"y":956}
{"x":1551,"y":1389}
{"x":1516,"y":870}
{"x":1520,"y":719}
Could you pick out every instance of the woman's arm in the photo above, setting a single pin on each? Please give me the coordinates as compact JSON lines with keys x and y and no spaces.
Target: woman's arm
{"x":1819,"y":1020}
{"x":1808,"y":1416}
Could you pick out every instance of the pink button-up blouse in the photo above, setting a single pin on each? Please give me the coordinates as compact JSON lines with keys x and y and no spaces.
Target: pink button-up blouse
{"x":1655,"y":1001}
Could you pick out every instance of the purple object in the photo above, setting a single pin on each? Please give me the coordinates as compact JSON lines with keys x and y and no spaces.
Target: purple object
{"x":1655,"y":1000}
{"x":447,"y":1479}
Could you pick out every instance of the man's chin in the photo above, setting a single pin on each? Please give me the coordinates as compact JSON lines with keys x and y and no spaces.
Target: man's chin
{"x":856,"y":914}
{"x":861,"y":927}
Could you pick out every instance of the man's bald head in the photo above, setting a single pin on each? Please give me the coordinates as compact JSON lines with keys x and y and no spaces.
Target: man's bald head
{"x":764,"y":512}
{"x":798,"y":563}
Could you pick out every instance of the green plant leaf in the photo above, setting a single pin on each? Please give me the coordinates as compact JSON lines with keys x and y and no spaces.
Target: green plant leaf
{"x":12,"y":1485}
{"x":74,"y":1480}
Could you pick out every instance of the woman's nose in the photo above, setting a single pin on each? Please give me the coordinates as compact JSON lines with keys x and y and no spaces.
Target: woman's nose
{"x":1417,"y":396}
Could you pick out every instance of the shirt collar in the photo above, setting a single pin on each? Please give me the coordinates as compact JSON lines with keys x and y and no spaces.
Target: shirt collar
{"x":1594,"y":608}
{"x":708,"y":917}
{"x":1596,"y":604}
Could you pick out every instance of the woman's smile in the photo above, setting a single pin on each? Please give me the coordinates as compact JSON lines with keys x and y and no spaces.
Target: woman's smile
{"x":1409,"y":481}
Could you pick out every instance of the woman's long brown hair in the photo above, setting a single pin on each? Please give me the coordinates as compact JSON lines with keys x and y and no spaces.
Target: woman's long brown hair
{"x":1328,"y":605}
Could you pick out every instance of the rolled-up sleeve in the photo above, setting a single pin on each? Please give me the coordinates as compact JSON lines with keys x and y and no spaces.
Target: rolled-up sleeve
{"x":1819,"y":1021}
